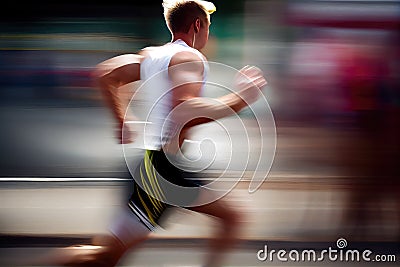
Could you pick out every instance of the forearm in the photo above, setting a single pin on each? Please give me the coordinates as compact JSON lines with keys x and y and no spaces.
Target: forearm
{"x":112,"y":75}
{"x":239,"y":100}
{"x":201,"y":110}
{"x":113,"y":100}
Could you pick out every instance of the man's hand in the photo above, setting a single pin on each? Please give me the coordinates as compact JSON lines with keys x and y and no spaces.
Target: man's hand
{"x":250,"y":76}
{"x":250,"y":80}
{"x":126,"y":134}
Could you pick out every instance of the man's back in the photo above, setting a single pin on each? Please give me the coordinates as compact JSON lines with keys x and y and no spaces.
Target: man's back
{"x":158,"y":86}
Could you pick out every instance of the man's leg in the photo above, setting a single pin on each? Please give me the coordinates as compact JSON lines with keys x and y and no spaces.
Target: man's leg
{"x":125,"y":232}
{"x":105,"y":250}
{"x":227,"y":235}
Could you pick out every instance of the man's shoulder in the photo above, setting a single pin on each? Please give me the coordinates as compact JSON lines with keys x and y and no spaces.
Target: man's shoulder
{"x":176,"y":53}
{"x":186,"y":56}
{"x":148,"y":50}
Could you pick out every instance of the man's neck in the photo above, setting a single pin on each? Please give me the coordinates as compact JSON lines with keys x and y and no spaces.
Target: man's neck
{"x":184,"y":37}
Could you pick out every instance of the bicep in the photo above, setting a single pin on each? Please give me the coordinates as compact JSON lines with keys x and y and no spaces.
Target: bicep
{"x":119,"y":70}
{"x":186,"y":75}
{"x":113,"y":63}
{"x":120,"y":76}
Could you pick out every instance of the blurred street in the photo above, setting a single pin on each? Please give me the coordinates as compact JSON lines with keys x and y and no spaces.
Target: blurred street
{"x":325,"y":137}
{"x":302,"y":203}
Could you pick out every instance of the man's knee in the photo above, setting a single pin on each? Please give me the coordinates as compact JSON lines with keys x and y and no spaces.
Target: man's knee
{"x":231,"y":218}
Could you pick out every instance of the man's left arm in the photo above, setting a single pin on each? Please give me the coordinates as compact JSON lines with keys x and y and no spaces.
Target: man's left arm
{"x":110,"y":76}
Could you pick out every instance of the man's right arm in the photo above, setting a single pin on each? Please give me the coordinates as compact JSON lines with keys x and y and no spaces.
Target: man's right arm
{"x":186,"y":73}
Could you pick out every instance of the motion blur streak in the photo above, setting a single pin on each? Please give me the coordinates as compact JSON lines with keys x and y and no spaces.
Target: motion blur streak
{"x":333,"y":87}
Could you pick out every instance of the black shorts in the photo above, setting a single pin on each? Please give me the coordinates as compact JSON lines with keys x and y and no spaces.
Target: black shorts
{"x":149,"y":199}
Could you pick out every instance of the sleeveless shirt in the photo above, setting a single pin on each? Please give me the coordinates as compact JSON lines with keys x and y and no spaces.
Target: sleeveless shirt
{"x":156,"y":89}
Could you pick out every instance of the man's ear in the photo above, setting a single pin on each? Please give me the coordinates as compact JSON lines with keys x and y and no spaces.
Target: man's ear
{"x":197,"y":25}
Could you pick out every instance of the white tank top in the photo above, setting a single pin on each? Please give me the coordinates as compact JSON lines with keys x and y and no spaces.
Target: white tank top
{"x":156,"y":91}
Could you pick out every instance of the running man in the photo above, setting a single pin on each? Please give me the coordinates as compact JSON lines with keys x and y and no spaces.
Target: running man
{"x":185,"y":69}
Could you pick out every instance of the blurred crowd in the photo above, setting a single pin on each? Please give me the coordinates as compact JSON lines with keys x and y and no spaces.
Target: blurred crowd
{"x":348,"y":82}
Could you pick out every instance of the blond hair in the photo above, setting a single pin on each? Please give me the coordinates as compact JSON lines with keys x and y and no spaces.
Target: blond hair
{"x":180,"y":14}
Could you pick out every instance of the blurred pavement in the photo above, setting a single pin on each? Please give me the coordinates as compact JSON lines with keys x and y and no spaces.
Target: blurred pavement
{"x":65,"y":188}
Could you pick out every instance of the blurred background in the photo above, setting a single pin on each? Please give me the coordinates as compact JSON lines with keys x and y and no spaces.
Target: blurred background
{"x":333,"y":72}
